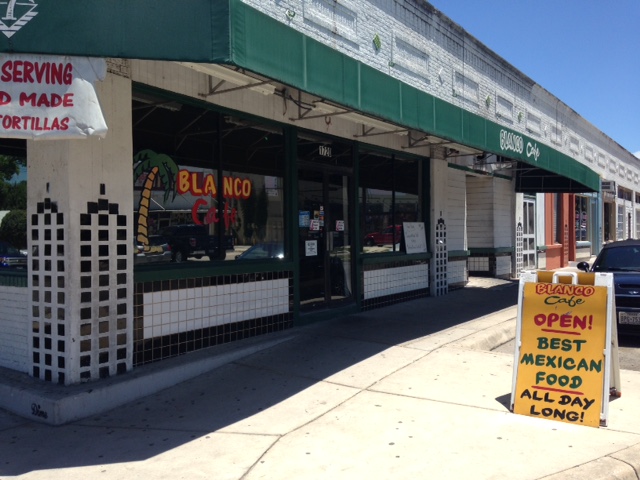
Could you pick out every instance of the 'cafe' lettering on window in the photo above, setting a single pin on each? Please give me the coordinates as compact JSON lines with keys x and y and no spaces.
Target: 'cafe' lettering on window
{"x":200,"y":185}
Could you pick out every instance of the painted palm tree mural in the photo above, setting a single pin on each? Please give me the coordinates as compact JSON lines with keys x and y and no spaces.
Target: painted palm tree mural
{"x":155,"y":166}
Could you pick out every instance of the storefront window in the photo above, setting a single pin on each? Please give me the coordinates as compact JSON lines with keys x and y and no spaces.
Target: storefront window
{"x":620,"y":223}
{"x":207,"y":186}
{"x":389,"y":196}
{"x":13,"y":202}
{"x":582,"y":218}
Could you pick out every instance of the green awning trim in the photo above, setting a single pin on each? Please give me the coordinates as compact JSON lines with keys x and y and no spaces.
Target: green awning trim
{"x":195,"y":31}
{"x":231,"y":32}
{"x":458,"y":254}
{"x":490,"y":251}
{"x":266,"y":46}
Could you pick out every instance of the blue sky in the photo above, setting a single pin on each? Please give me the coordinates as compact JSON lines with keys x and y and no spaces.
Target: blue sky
{"x":585,"y":52}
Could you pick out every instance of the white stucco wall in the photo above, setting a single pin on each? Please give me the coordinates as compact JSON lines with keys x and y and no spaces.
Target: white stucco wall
{"x":504,"y":201}
{"x":490,"y":214}
{"x":456,"y":210}
{"x":480,"y":217}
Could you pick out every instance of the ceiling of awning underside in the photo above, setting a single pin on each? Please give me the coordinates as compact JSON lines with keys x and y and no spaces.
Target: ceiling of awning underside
{"x":530,"y":179}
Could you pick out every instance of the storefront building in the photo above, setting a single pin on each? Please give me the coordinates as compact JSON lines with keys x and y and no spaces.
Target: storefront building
{"x":280,"y":165}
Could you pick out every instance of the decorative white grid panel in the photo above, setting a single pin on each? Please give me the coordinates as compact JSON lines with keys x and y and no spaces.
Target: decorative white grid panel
{"x":441,"y":258}
{"x":389,"y":281}
{"x":519,"y":247}
{"x":175,"y":311}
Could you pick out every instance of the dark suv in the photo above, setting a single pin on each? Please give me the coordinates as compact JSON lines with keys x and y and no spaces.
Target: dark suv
{"x":192,"y":240}
{"x":10,"y":257}
{"x":622,"y":258}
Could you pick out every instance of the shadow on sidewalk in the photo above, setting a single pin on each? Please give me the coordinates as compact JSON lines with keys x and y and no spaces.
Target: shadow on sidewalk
{"x":233,"y":397}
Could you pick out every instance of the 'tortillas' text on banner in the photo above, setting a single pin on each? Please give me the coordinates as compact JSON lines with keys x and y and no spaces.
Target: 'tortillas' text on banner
{"x":48,"y":97}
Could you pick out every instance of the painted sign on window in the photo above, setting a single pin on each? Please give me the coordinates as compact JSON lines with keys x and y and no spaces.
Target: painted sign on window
{"x":200,"y":184}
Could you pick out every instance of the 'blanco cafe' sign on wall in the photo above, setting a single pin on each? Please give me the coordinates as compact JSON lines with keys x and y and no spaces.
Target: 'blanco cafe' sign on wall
{"x":45,"y":97}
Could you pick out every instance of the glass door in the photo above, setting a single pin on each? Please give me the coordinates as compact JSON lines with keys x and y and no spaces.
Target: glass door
{"x":324,"y":238}
{"x":529,"y":249}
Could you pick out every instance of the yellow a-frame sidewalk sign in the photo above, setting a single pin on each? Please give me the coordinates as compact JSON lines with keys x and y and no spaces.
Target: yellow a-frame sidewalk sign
{"x":566,"y":348}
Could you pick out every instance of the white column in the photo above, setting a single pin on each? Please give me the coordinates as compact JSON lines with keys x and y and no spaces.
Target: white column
{"x":80,"y":215}
{"x":437,"y":265}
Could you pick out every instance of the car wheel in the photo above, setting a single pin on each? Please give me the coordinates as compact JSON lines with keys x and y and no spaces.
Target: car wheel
{"x":369,"y":242}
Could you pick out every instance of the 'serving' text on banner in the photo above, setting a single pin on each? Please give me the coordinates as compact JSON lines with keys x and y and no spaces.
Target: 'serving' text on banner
{"x":45,"y":96}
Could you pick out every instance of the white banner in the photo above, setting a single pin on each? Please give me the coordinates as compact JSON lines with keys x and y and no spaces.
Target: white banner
{"x":50,"y":97}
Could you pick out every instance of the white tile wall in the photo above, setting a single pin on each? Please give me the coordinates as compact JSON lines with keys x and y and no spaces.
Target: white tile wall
{"x":479,"y":264}
{"x":503,"y":266}
{"x":175,"y":311}
{"x":389,"y":281}
{"x":542,"y":260}
{"x":457,"y":272}
{"x":14,"y":351}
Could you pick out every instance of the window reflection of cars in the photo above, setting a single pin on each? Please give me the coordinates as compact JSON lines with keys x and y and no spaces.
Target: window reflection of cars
{"x":263,"y":251}
{"x":623,"y":260}
{"x":390,"y":235}
{"x":158,"y":251}
{"x":11,"y":257}
{"x":191,"y":240}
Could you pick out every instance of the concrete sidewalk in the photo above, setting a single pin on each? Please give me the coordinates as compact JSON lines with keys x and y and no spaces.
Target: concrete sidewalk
{"x":408,"y":391}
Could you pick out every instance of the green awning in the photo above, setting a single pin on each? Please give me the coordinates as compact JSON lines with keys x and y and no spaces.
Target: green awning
{"x":231,"y":32}
{"x":270,"y":48}
{"x":193,"y":30}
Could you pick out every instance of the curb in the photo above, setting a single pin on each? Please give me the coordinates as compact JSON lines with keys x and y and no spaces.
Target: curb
{"x":622,"y":465}
{"x":501,"y":329}
{"x":490,"y":338}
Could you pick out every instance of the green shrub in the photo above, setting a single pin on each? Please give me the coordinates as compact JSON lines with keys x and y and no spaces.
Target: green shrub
{"x":13,"y":228}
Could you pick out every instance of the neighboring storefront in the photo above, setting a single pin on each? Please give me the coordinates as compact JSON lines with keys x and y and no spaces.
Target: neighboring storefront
{"x":587,"y":221}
